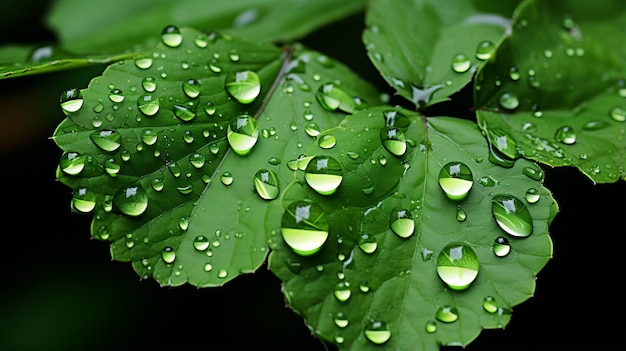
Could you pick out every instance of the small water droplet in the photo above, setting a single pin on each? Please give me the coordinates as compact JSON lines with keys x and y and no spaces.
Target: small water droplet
{"x":116,"y":95}
{"x":447,"y":314}
{"x":461,"y":216}
{"x":72,"y":163}
{"x":226,"y":178}
{"x":323,"y":174}
{"x":312,"y":129}
{"x":244,"y":86}
{"x":243,"y":133}
{"x":512,"y":215}
{"x":185,"y":112}
{"x":222,"y":273}
{"x":367,"y":243}
{"x":431,"y":326}
{"x":508,"y":101}
{"x":393,"y":140}
{"x":455,"y":179}
{"x":327,"y":141}
{"x":460,"y":63}
{"x":484,"y":50}
{"x":457,"y":265}
{"x":595,"y":125}
{"x":171,"y":36}
{"x":501,"y":246}
{"x":197,"y":160}
{"x":334,"y":98}
{"x":304,"y":227}
{"x":266,"y":184}
{"x":168,"y":254}
{"x":618,"y":114}
{"x":340,"y":319}
{"x":143,"y":62}
{"x":342,"y":291}
{"x":201,"y":243}
{"x":106,"y":140}
{"x":490,"y":304}
{"x":148,"y":105}
{"x":83,"y":200}
{"x":71,"y":100}
{"x":566,"y":135}
{"x":401,"y":222}
{"x":377,"y":332}
{"x":514,"y":73}
{"x":532,"y":195}
{"x":131,"y":200}
{"x":191,"y":88}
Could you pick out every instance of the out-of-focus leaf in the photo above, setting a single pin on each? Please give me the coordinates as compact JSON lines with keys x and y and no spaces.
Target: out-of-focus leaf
{"x":96,"y":26}
{"x":375,"y":283}
{"x":555,"y":86}
{"x":428,"y":50}
{"x":150,"y":156}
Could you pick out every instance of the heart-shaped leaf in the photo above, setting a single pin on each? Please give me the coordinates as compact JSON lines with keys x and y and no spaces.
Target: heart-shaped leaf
{"x":424,"y":242}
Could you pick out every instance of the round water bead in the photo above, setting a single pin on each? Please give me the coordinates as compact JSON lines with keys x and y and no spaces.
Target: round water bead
{"x":457,"y":265}
{"x":266,"y":184}
{"x":131,"y":200}
{"x":323,"y":174}
{"x":244,"y":86}
{"x":242,"y":134}
{"x":512,"y":215}
{"x":304,"y":227}
{"x":455,"y":179}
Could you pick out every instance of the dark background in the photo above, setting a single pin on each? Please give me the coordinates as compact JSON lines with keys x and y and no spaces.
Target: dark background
{"x":61,"y":290}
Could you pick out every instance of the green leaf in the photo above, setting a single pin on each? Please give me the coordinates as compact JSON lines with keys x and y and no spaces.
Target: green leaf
{"x":21,"y":60}
{"x":195,"y":209}
{"x":413,"y":43}
{"x":89,"y":26}
{"x":573,"y":50}
{"x":371,"y":270}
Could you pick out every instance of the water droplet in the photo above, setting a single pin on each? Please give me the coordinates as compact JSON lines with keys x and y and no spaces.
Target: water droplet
{"x":131,"y":200}
{"x":457,"y":265}
{"x":460,"y":63}
{"x":72,"y":163}
{"x":490,"y":304}
{"x":512,"y":215}
{"x":377,"y":332}
{"x":201,"y":243}
{"x":327,"y":141}
{"x":595,"y":125}
{"x":514,"y":73}
{"x":243,"y":133}
{"x":116,"y":95}
{"x":244,"y":86}
{"x":304,"y":227}
{"x":333,"y":98}
{"x":197,"y":160}
{"x":312,"y":129}
{"x":461,"y":216}
{"x":83,"y":200}
{"x":565,"y":135}
{"x":618,"y":114}
{"x":323,"y":174}
{"x":508,"y":101}
{"x":484,"y":50}
{"x":447,"y":314}
{"x":71,"y":100}
{"x":111,"y":167}
{"x":533,"y":173}
{"x":367,"y":243}
{"x":431,"y":326}
{"x":226,"y":178}
{"x":266,"y":184}
{"x":401,"y":222}
{"x":342,"y":291}
{"x":171,"y":36}
{"x":532,"y":195}
{"x":222,"y":273}
{"x":209,"y":108}
{"x":455,"y":179}
{"x":393,"y":140}
{"x":149,"y":84}
{"x":191,"y":88}
{"x":503,"y":147}
{"x":148,"y":105}
{"x":501,"y":246}
{"x":168,"y":254}
{"x":185,"y":112}
{"x":148,"y":136}
{"x":143,"y":62}
{"x":340,"y":319}
{"x":107,"y":140}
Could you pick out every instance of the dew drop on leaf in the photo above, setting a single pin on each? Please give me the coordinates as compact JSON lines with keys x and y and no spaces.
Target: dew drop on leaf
{"x":431,"y":326}
{"x":71,"y":100}
{"x":83,"y":200}
{"x":185,"y":112}
{"x":484,"y":50}
{"x":148,"y":105}
{"x":191,"y":88}
{"x":457,"y":265}
{"x":401,"y":222}
{"x":242,"y":134}
{"x":618,"y":114}
{"x":72,"y":163}
{"x":266,"y":184}
{"x":340,"y":319}
{"x":171,"y":36}
{"x":512,"y":215}
{"x":532,"y":195}
{"x":393,"y":140}
{"x":106,"y":140}
{"x":455,"y":179}
{"x":377,"y":332}
{"x":501,"y":246}
{"x":168,"y":254}
{"x":327,"y":141}
{"x":367,"y":243}
{"x":304,"y":227}
{"x":565,"y":135}
{"x":143,"y":62}
{"x":116,"y":95}
{"x":244,"y":86}
{"x":226,"y":178}
{"x":447,"y":314}
{"x":334,"y":98}
{"x":323,"y":174}
{"x":201,"y":243}
{"x":460,"y":63}
{"x":490,"y":304}
{"x":131,"y":200}
{"x":508,"y":101}
{"x":342,"y":291}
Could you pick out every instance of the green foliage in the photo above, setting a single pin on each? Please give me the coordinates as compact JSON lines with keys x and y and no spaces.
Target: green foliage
{"x":215,"y":142}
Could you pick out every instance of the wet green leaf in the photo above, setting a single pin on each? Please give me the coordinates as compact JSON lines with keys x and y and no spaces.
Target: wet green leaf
{"x":556,"y":84}
{"x":148,"y":151}
{"x":375,"y":272}
{"x":433,"y":53}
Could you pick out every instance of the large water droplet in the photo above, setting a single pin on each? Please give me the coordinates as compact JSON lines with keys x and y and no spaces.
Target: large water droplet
{"x":455,"y":179}
{"x":83,"y":200}
{"x":618,"y":114}
{"x":342,"y":291}
{"x":484,"y":50}
{"x":457,"y":265}
{"x":460,"y":63}
{"x":508,"y":101}
{"x":131,"y":200}
{"x":304,"y":227}
{"x":512,"y":215}
{"x":367,"y":243}
{"x":148,"y":105}
{"x":401,"y":222}
{"x":323,"y":174}
{"x":340,"y":319}
{"x":244,"y":86}
{"x":71,"y":100}
{"x":185,"y":112}
{"x":72,"y":163}
{"x":243,"y":133}
{"x":201,"y":243}
{"x":377,"y":332}
{"x":168,"y":254}
{"x":393,"y":140}
{"x":565,"y":135}
{"x":447,"y":314}
{"x":106,"y":140}
{"x":333,"y":98}
{"x":191,"y":88}
{"x":266,"y":184}
{"x":171,"y":36}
